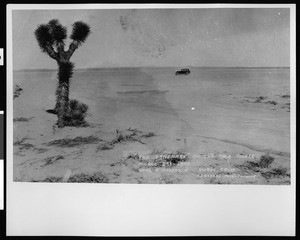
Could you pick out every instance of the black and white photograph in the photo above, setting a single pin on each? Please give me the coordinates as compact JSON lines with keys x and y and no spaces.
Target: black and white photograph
{"x":143,"y":116}
{"x":164,"y":96}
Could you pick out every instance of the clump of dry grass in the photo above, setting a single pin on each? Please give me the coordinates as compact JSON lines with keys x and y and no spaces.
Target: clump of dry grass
{"x":272,"y":102}
{"x":96,"y":177}
{"x":135,"y":156}
{"x":259,"y":99}
{"x":51,"y":160}
{"x":285,"y":96}
{"x":134,"y":130}
{"x":105,"y":146}
{"x":121,"y":137}
{"x":21,"y":119}
{"x":150,"y":134}
{"x":275,"y":172}
{"x":263,"y":167}
{"x":52,"y":179}
{"x":73,"y":142}
{"x":131,"y":135}
{"x":24,"y":145}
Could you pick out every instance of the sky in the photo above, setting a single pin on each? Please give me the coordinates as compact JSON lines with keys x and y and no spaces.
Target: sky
{"x":216,"y":37}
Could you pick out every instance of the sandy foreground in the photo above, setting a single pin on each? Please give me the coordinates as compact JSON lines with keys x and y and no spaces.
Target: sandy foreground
{"x":214,"y":126}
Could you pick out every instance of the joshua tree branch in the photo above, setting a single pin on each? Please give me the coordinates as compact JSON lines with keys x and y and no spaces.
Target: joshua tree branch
{"x":73,"y":46}
{"x":51,"y":52}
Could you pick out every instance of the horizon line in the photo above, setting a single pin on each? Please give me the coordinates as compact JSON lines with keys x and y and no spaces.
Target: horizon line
{"x":54,"y":69}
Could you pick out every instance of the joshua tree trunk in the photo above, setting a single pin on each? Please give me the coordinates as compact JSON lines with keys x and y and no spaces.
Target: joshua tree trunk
{"x":65,"y":71}
{"x":62,"y":91}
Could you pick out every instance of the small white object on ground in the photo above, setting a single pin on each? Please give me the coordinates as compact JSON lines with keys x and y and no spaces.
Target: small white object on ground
{"x":192,"y":108}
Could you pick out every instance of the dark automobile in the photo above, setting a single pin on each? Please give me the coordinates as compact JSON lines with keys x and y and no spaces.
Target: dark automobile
{"x":183,"y":71}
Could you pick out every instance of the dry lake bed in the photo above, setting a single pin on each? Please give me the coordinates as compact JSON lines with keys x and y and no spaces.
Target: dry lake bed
{"x":148,"y":125}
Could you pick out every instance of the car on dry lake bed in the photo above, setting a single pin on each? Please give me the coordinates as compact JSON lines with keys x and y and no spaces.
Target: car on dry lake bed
{"x":185,"y":71}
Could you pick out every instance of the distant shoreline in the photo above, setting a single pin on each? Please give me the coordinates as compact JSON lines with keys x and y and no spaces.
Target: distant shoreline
{"x":148,"y":67}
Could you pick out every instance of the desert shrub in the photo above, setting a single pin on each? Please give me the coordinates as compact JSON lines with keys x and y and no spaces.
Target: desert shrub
{"x":249,"y":165}
{"x":263,"y":167}
{"x":17,"y":91}
{"x":276,"y":172}
{"x":265,"y":161}
{"x":76,"y":115}
{"x":134,"y":156}
{"x":280,"y":171}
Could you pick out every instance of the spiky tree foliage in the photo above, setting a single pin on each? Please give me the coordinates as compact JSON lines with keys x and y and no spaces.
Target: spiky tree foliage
{"x":80,"y":31}
{"x":50,"y":38}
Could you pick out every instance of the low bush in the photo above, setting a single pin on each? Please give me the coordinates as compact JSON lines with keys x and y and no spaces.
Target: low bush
{"x":76,"y":115}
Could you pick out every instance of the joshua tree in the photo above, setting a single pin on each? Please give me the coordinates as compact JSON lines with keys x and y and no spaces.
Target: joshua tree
{"x":51,"y":38}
